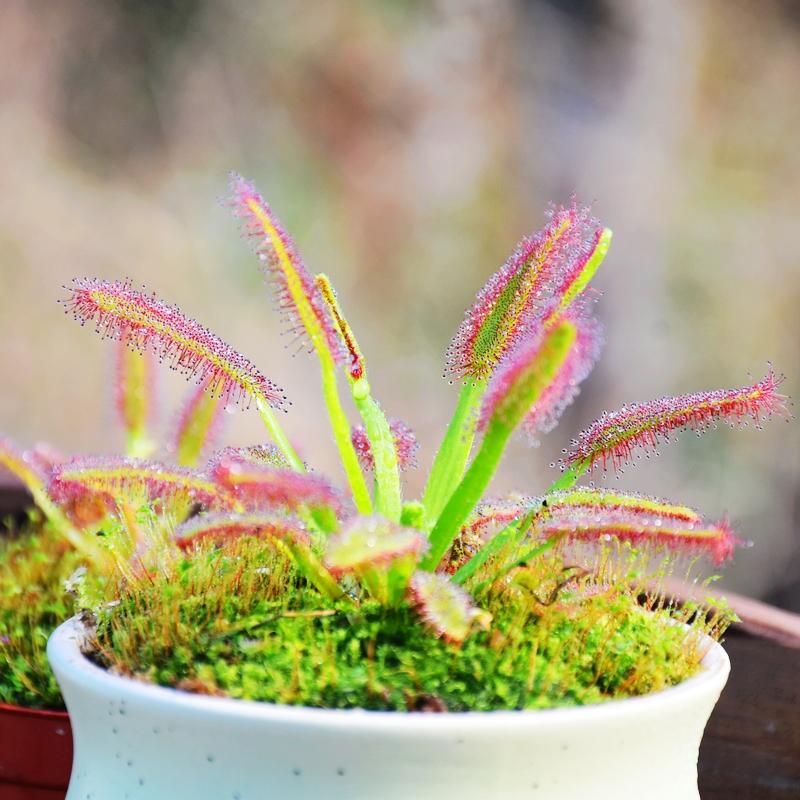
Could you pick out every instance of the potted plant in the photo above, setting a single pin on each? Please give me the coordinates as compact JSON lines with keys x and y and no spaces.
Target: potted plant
{"x":266,"y":634}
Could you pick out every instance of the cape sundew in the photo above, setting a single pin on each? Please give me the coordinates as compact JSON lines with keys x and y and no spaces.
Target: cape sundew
{"x":446,"y":608}
{"x":135,"y":479}
{"x":220,"y":528}
{"x":298,"y":296}
{"x":367,"y":542}
{"x":262,"y":486}
{"x":603,"y":525}
{"x":147,"y":323}
{"x":509,"y":300}
{"x":614,"y":439}
{"x":493,"y":514}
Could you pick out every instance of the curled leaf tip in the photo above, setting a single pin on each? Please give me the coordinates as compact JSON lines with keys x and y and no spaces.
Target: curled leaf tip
{"x":356,"y":369}
{"x":134,"y":393}
{"x":617,"y":437}
{"x":148,"y":324}
{"x":445,"y":607}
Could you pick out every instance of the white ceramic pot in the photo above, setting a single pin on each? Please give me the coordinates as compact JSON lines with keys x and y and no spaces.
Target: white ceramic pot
{"x":135,"y":740}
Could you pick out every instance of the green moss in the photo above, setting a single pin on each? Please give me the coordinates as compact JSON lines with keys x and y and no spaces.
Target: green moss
{"x":34,"y":565}
{"x":240,"y":622}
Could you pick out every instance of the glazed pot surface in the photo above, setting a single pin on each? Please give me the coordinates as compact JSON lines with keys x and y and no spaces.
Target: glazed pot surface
{"x":135,"y":740}
{"x":35,"y":753}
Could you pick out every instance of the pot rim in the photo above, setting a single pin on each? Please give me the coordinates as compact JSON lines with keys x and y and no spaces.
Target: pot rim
{"x":36,"y":713}
{"x":65,"y":651}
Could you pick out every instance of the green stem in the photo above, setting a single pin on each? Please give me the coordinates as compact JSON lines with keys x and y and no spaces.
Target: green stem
{"x":341,"y":433}
{"x":511,"y":533}
{"x":517,"y":528}
{"x":453,"y":454}
{"x":568,"y":478}
{"x":278,"y":435}
{"x":388,"y":498}
{"x":529,"y":555}
{"x":316,"y":573}
{"x":468,"y":493}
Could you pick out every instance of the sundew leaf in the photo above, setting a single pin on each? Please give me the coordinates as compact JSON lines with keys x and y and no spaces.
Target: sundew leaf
{"x":510,"y":299}
{"x":224,"y":527}
{"x":638,"y":526}
{"x":261,"y":486}
{"x":576,"y":275}
{"x":135,"y":397}
{"x":446,"y":608}
{"x":116,"y":478}
{"x":604,"y":499}
{"x":262,"y":455}
{"x":368,"y":542}
{"x":298,"y":296}
{"x":526,"y":375}
{"x":375,"y":444}
{"x":147,"y":323}
{"x":618,"y":436}
{"x":565,"y":386}
{"x":356,"y":369}
{"x":493,"y":513}
{"x":301,"y":301}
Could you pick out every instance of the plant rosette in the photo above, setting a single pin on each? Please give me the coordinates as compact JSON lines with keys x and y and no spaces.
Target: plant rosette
{"x":136,"y":740}
{"x":249,"y":575}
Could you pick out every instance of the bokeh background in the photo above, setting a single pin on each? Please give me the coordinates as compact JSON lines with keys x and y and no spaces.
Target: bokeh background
{"x":408,"y":146}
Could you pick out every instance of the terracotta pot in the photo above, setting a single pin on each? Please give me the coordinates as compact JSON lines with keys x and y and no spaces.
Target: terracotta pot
{"x":35,"y":753}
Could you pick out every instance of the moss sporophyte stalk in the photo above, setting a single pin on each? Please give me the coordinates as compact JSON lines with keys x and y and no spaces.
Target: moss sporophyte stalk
{"x":244,"y":572}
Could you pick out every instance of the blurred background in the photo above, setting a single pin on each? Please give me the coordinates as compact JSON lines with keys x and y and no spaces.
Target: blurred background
{"x":408,"y":146}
